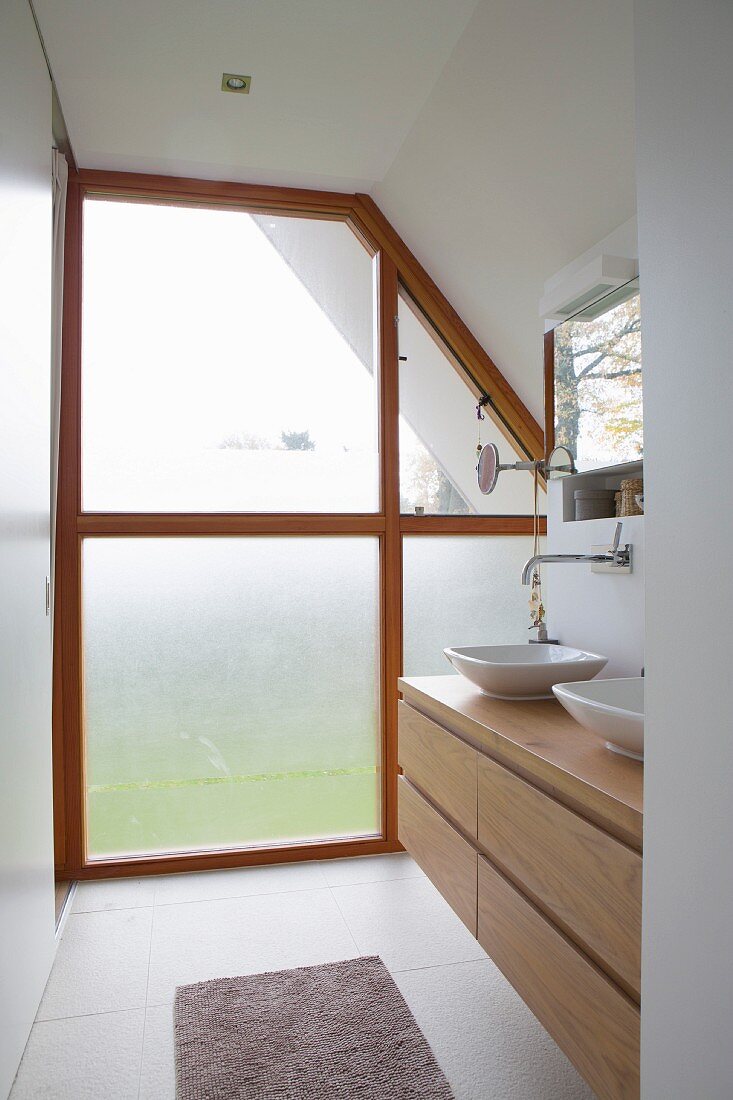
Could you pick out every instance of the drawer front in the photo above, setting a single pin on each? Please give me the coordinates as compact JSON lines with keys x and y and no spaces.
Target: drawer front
{"x":588,"y":1016}
{"x":447,"y":859}
{"x":586,"y":880}
{"x":441,"y":765}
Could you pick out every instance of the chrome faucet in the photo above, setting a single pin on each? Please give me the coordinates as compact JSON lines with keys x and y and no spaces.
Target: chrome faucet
{"x":611,"y":558}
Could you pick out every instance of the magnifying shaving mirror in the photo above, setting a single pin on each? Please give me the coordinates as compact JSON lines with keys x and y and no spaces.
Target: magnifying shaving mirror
{"x":488,"y":468}
{"x":560,"y":464}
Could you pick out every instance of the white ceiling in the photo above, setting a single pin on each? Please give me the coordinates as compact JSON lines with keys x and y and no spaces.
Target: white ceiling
{"x":497,"y":135}
{"x":520,"y":161}
{"x":336,"y":84}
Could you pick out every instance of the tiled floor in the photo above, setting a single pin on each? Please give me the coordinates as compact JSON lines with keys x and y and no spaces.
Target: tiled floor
{"x":104,"y":1028}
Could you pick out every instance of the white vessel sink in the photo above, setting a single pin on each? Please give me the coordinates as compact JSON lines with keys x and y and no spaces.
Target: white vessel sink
{"x":613,"y":709}
{"x":523,"y":671}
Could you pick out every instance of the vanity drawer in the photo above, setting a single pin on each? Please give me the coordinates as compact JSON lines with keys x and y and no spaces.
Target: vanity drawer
{"x":440,"y":765}
{"x":586,"y":880}
{"x":590,"y":1018}
{"x":447,"y":859}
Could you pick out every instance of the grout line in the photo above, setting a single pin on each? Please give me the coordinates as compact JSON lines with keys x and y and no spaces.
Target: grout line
{"x":142,"y":1055}
{"x":343,"y":918}
{"x":374,"y":881}
{"x":437,"y":966}
{"x":147,"y":987}
{"x":150,"y":955}
{"x":157,"y":903}
{"x":111,"y":909}
{"x":243,"y":897}
{"x":88,"y":1015}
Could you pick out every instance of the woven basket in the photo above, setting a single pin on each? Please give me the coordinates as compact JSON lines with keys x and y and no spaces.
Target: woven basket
{"x":630,"y":488}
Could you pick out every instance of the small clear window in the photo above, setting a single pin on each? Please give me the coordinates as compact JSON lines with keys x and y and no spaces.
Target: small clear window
{"x":598,"y":381}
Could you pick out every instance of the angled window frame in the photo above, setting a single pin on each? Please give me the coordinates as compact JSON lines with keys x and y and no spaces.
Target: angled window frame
{"x":396,"y":267}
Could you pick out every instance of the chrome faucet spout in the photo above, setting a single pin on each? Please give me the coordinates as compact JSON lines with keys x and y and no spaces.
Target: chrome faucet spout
{"x":539,"y":558}
{"x":615,"y":557}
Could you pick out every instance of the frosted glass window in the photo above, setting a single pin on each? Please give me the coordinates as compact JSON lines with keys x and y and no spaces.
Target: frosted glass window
{"x":462,"y":591}
{"x":227,"y":362}
{"x":439,"y":432}
{"x":231,"y":691}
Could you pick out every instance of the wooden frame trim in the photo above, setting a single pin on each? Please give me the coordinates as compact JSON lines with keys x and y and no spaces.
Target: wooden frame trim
{"x":470,"y":525}
{"x":395,"y":265}
{"x":549,"y":391}
{"x":452,"y":328}
{"x":67,"y":747}
{"x":266,"y":198}
{"x":225,"y":523}
{"x":458,"y":366}
{"x":387,"y":280}
{"x":173,"y":863}
{"x":173,"y":524}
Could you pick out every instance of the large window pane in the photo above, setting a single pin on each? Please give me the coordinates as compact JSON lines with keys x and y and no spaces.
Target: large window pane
{"x":231,"y":693}
{"x":438,"y":432}
{"x":460,"y":591}
{"x":227,"y":362}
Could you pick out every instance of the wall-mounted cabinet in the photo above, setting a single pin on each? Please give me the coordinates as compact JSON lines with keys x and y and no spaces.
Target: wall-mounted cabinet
{"x":532,"y":832}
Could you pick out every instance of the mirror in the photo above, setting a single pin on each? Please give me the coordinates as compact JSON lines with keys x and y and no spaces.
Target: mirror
{"x":561,"y":463}
{"x":594,"y":378}
{"x":488,"y":468}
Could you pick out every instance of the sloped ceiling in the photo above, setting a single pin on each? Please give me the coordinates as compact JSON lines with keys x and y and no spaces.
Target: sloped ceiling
{"x":496,"y":135}
{"x":336,"y":84}
{"x":522,"y":158}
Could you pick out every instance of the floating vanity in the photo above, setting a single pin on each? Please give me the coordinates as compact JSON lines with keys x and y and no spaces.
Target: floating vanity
{"x":532,"y":831}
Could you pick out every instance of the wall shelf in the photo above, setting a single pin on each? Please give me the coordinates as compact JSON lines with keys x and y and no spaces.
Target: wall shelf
{"x":609,"y":477}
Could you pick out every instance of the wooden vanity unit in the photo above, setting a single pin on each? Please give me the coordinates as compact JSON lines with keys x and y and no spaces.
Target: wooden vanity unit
{"x":532,"y":831}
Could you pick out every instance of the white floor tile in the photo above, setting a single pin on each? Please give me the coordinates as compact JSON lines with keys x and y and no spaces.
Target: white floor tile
{"x":238,"y":883}
{"x":101,"y":964}
{"x":93,"y":1039}
{"x":487,"y":1042}
{"x":83,"y":1058}
{"x":157,"y":1077}
{"x":120,"y":893}
{"x":407,"y":922}
{"x":350,"y":872}
{"x":216,"y":939}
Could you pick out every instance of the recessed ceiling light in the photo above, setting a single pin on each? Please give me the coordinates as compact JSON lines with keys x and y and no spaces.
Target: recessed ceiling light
{"x":235,"y":82}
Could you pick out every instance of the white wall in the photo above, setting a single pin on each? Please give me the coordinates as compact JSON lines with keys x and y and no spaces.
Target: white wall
{"x":622,"y":241}
{"x":595,"y":611}
{"x":521,"y":158}
{"x":26,"y":843}
{"x":685,"y":209}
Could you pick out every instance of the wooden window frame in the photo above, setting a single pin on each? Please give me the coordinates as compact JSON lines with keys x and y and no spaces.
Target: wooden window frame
{"x":549,"y":384}
{"x":396,"y":266}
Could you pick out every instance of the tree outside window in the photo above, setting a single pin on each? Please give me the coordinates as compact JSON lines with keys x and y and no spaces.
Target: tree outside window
{"x":598,"y":386}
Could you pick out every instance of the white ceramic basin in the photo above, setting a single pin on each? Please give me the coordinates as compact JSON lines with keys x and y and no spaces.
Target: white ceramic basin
{"x":614,"y":709}
{"x":523,"y":671}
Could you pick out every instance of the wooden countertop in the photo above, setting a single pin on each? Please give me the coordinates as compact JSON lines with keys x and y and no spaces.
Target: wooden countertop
{"x":540,"y":741}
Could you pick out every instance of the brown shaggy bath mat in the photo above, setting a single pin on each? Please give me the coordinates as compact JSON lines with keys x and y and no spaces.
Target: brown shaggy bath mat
{"x":340,"y":1030}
